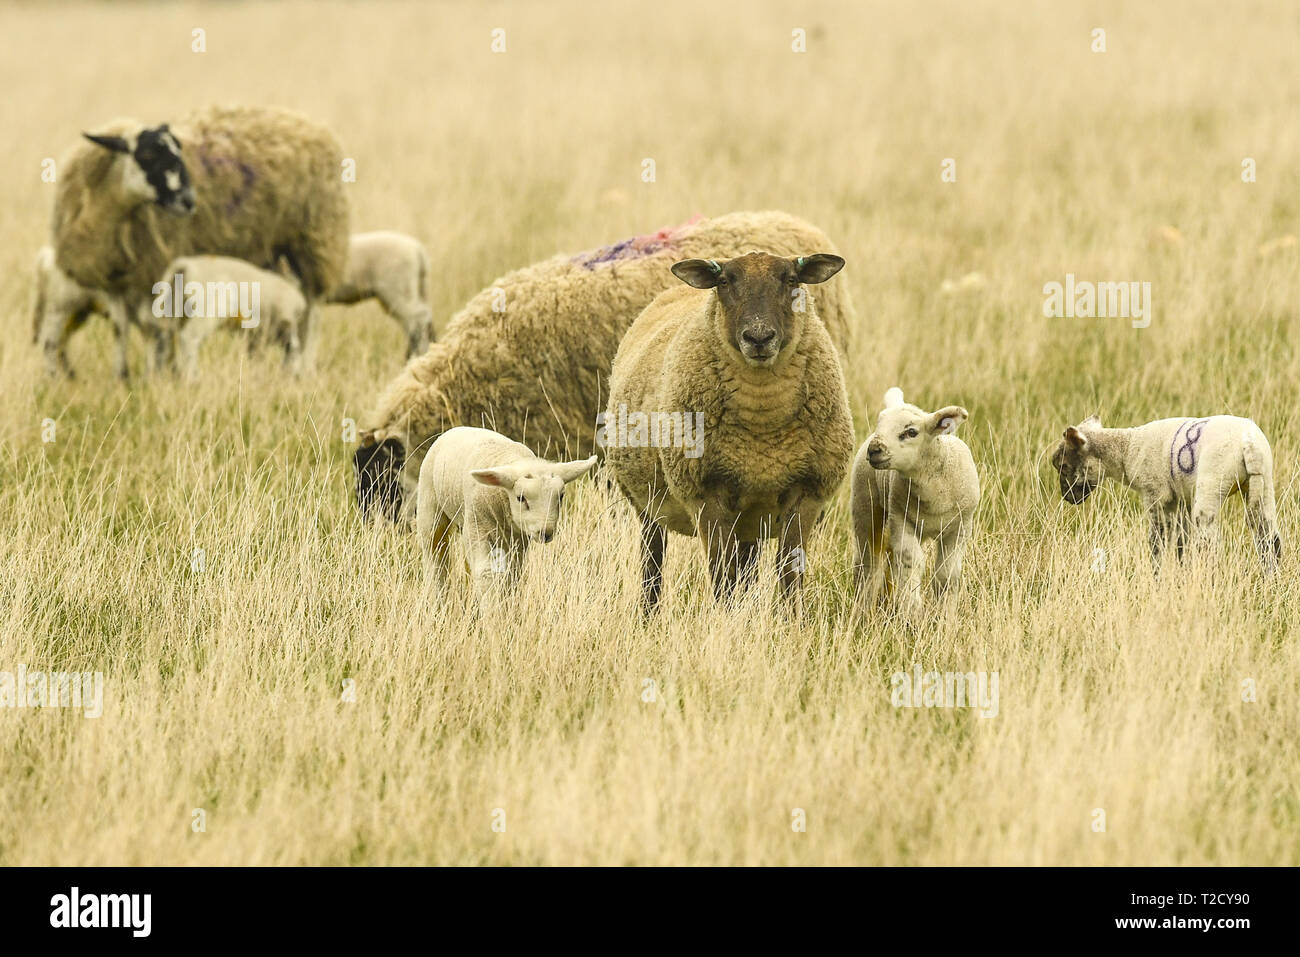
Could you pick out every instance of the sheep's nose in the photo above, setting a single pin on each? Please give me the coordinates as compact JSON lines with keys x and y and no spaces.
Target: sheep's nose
{"x":874,"y":447}
{"x":545,"y":537}
{"x":758,"y":337}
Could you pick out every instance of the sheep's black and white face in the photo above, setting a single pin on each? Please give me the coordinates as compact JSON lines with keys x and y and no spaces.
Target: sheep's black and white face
{"x":904,"y":433}
{"x":762,"y":306}
{"x":153,"y":170}
{"x":378,"y":468}
{"x":1080,"y":472}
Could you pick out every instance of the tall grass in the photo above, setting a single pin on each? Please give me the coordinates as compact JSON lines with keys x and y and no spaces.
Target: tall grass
{"x":200,"y":546}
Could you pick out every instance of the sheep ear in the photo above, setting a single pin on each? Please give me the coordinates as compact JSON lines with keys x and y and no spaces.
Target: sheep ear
{"x":1075,"y":439}
{"x":946,"y":420}
{"x":893,"y":398}
{"x":568,"y":471}
{"x":497,"y":478}
{"x":818,"y":268}
{"x":115,"y":143}
{"x":1092,"y":420}
{"x":700,"y":273}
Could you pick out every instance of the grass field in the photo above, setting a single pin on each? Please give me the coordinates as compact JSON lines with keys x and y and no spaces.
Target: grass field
{"x":277,"y":664}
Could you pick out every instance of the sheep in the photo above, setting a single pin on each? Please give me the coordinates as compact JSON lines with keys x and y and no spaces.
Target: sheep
{"x":1183,"y":470}
{"x":394,"y":269}
{"x":530,"y":354}
{"x":60,"y":306}
{"x":202,"y":293}
{"x":743,"y":353}
{"x":256,"y":183}
{"x":913,"y":482}
{"x":499,"y":495}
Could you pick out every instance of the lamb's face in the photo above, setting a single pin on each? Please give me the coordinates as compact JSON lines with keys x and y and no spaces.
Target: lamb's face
{"x":760,"y":303}
{"x":153,"y":171}
{"x":536,"y":492}
{"x":905,"y":435}
{"x":535,"y":502}
{"x":1080,"y":472}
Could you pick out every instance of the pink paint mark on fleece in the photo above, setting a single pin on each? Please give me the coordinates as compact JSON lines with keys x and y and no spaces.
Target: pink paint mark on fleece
{"x":637,"y":246}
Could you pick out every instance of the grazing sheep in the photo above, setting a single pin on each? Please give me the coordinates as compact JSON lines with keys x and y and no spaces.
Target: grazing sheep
{"x":394,"y":269}
{"x":1183,"y":470}
{"x":231,"y":293}
{"x":915,"y":482}
{"x":60,"y":306}
{"x":744,"y":354}
{"x":497,"y":492}
{"x":256,"y":183}
{"x":530,"y":355}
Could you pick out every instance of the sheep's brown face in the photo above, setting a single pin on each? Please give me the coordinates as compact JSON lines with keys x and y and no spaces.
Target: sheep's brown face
{"x":1079,"y":472}
{"x":759,"y":295}
{"x":154,"y":170}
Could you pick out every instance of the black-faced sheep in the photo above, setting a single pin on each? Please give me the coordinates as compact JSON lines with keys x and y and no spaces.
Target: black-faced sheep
{"x":744,"y":354}
{"x":530,"y":355}
{"x":497,"y":492}
{"x":1183,"y":469}
{"x":913,"y":482}
{"x":393,"y":268}
{"x":255,"y":183}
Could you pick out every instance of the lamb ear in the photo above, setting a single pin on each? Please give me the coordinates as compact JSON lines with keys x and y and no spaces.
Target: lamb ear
{"x":947,"y":419}
{"x":497,"y":478}
{"x":568,"y":471}
{"x":1092,"y":420}
{"x":117,"y":144}
{"x":700,"y":273}
{"x":1074,"y":438}
{"x":818,"y":267}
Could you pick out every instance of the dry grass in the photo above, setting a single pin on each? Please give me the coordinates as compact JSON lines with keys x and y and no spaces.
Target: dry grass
{"x":1117,"y":691}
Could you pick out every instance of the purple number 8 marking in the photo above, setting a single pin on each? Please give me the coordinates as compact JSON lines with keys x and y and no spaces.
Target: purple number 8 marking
{"x":1184,"y":456}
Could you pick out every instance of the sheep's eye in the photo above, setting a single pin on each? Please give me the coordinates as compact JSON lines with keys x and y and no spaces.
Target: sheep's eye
{"x":909,"y":434}
{"x":523,"y":501}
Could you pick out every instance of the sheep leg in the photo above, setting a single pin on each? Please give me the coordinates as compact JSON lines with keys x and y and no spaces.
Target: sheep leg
{"x":907,"y":566}
{"x":1261,"y":515}
{"x":117,"y":312}
{"x":492,"y":564}
{"x":746,"y":563}
{"x":417,"y":322}
{"x":654,"y":539}
{"x":1166,"y":529}
{"x":719,"y":532}
{"x":796,"y":525}
{"x":949,"y":550}
{"x":1206,"y":503}
{"x":435,"y":542}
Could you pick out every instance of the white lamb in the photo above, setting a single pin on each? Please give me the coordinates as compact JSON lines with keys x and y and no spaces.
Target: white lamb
{"x":915,"y":480}
{"x":393,"y":268}
{"x":61,"y":306}
{"x":231,"y":293}
{"x":1183,"y":469}
{"x":497,"y":492}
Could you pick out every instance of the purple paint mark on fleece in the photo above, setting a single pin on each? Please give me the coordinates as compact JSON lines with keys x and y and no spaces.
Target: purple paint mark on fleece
{"x":1183,"y":457}
{"x":211,"y":162}
{"x":636,"y":247}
